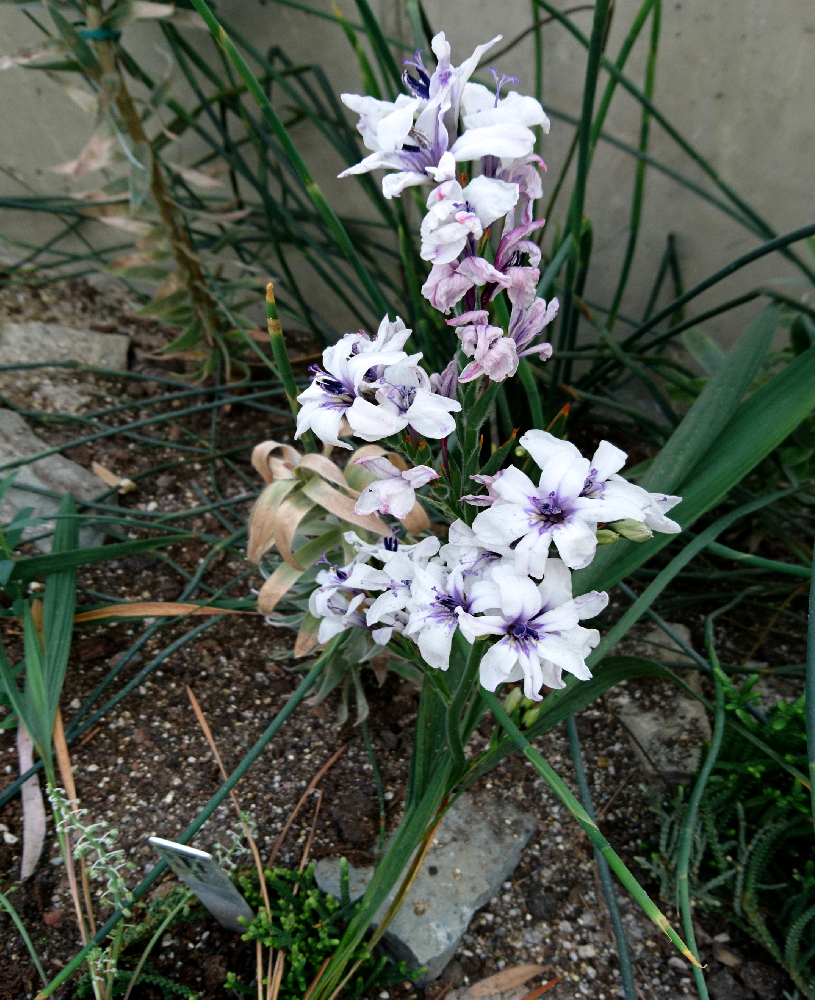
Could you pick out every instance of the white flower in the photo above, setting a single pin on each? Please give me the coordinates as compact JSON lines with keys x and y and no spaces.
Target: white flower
{"x":338,"y":612}
{"x":457,"y":215}
{"x":418,"y":136}
{"x":527,"y":518}
{"x":603,"y":480}
{"x":336,"y":386}
{"x":481,"y":107}
{"x":404,"y":397}
{"x":538,"y":625}
{"x":436,"y":597}
{"x":395,"y":492}
{"x":395,"y":580}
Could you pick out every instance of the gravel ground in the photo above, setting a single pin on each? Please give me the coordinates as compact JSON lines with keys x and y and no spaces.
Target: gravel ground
{"x":146,"y":768}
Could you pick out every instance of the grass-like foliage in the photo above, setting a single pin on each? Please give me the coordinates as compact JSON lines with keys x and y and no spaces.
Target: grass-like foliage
{"x":752,"y":845}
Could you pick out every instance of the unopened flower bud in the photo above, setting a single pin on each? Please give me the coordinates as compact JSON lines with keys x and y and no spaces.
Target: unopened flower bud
{"x":607,"y":537}
{"x":634,"y":531}
{"x":513,"y":699}
{"x":445,"y":384}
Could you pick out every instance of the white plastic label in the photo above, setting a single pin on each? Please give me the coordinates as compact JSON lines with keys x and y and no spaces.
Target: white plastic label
{"x":197,"y":870}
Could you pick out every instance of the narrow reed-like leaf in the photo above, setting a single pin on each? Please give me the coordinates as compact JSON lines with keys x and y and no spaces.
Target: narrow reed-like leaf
{"x":589,"y":826}
{"x":758,"y":426}
{"x":26,"y":570}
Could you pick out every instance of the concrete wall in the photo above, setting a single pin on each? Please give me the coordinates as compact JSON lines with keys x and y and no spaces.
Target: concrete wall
{"x":734,"y":77}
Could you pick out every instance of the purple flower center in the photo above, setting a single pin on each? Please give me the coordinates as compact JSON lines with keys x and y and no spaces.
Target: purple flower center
{"x":524,"y":632}
{"x":418,"y":84}
{"x":330,"y":384}
{"x":548,"y":509}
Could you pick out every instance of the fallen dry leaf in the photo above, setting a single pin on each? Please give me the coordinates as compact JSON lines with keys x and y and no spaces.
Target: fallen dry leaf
{"x":111,"y":479}
{"x":507,"y":979}
{"x":153,"y":609}
{"x":33,"y":807}
{"x":94,"y":156}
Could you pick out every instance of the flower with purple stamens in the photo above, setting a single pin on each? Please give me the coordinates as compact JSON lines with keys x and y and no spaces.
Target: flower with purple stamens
{"x":413,"y":133}
{"x":436,"y":599}
{"x":540,"y":634}
{"x":526,"y":519}
{"x":602,"y":481}
{"x":337,"y":385}
{"x":404,"y":398}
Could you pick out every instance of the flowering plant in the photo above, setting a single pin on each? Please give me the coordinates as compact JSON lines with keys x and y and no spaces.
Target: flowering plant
{"x":484,"y":595}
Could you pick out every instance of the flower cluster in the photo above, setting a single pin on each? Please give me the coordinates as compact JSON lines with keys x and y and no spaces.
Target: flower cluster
{"x":447,"y":120}
{"x":427,"y":591}
{"x":505,"y":578}
{"x":378,"y":388}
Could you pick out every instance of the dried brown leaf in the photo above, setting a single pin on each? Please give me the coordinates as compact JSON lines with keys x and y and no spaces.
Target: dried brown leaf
{"x":506,"y":979}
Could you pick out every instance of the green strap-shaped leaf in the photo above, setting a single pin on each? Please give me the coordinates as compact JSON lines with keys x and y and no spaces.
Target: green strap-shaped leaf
{"x":758,"y":426}
{"x":59,"y":605}
{"x":29,"y":569}
{"x":714,"y":407}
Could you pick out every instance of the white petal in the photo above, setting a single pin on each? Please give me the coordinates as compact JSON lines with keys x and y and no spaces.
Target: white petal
{"x":394,"y":184}
{"x":396,"y":497}
{"x":542,"y":446}
{"x":556,"y":586}
{"x":576,"y":542}
{"x":505,"y":141}
{"x":372,"y":422}
{"x":472,"y":627}
{"x":520,"y":599}
{"x":607,"y":460}
{"x":368,"y":501}
{"x":590,"y":605}
{"x":420,"y":476}
{"x":490,"y":198}
{"x":393,"y":129}
{"x":429,"y":414}
{"x":500,"y":525}
{"x":434,"y":643}
{"x":496,"y":664}
{"x":514,"y":487}
{"x":531,"y":554}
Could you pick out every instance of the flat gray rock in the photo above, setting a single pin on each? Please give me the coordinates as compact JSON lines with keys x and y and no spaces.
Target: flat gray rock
{"x":667,"y":739}
{"x":54,"y":473}
{"x":36,"y":341}
{"x":477,"y":846}
{"x":55,"y":390}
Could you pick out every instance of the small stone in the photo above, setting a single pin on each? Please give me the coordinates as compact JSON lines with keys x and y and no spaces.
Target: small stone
{"x":722,"y":938}
{"x":9,"y":838}
{"x":542,"y":906}
{"x":91,"y":768}
{"x":55,"y":390}
{"x":586,"y":951}
{"x":52,"y":918}
{"x":726,"y":957}
{"x":667,"y":740}
{"x":676,"y":962}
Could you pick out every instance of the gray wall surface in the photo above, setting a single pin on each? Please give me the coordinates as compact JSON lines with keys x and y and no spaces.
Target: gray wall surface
{"x":734,"y":77}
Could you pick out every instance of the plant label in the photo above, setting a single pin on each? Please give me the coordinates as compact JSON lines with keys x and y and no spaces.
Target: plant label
{"x":208,"y":881}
